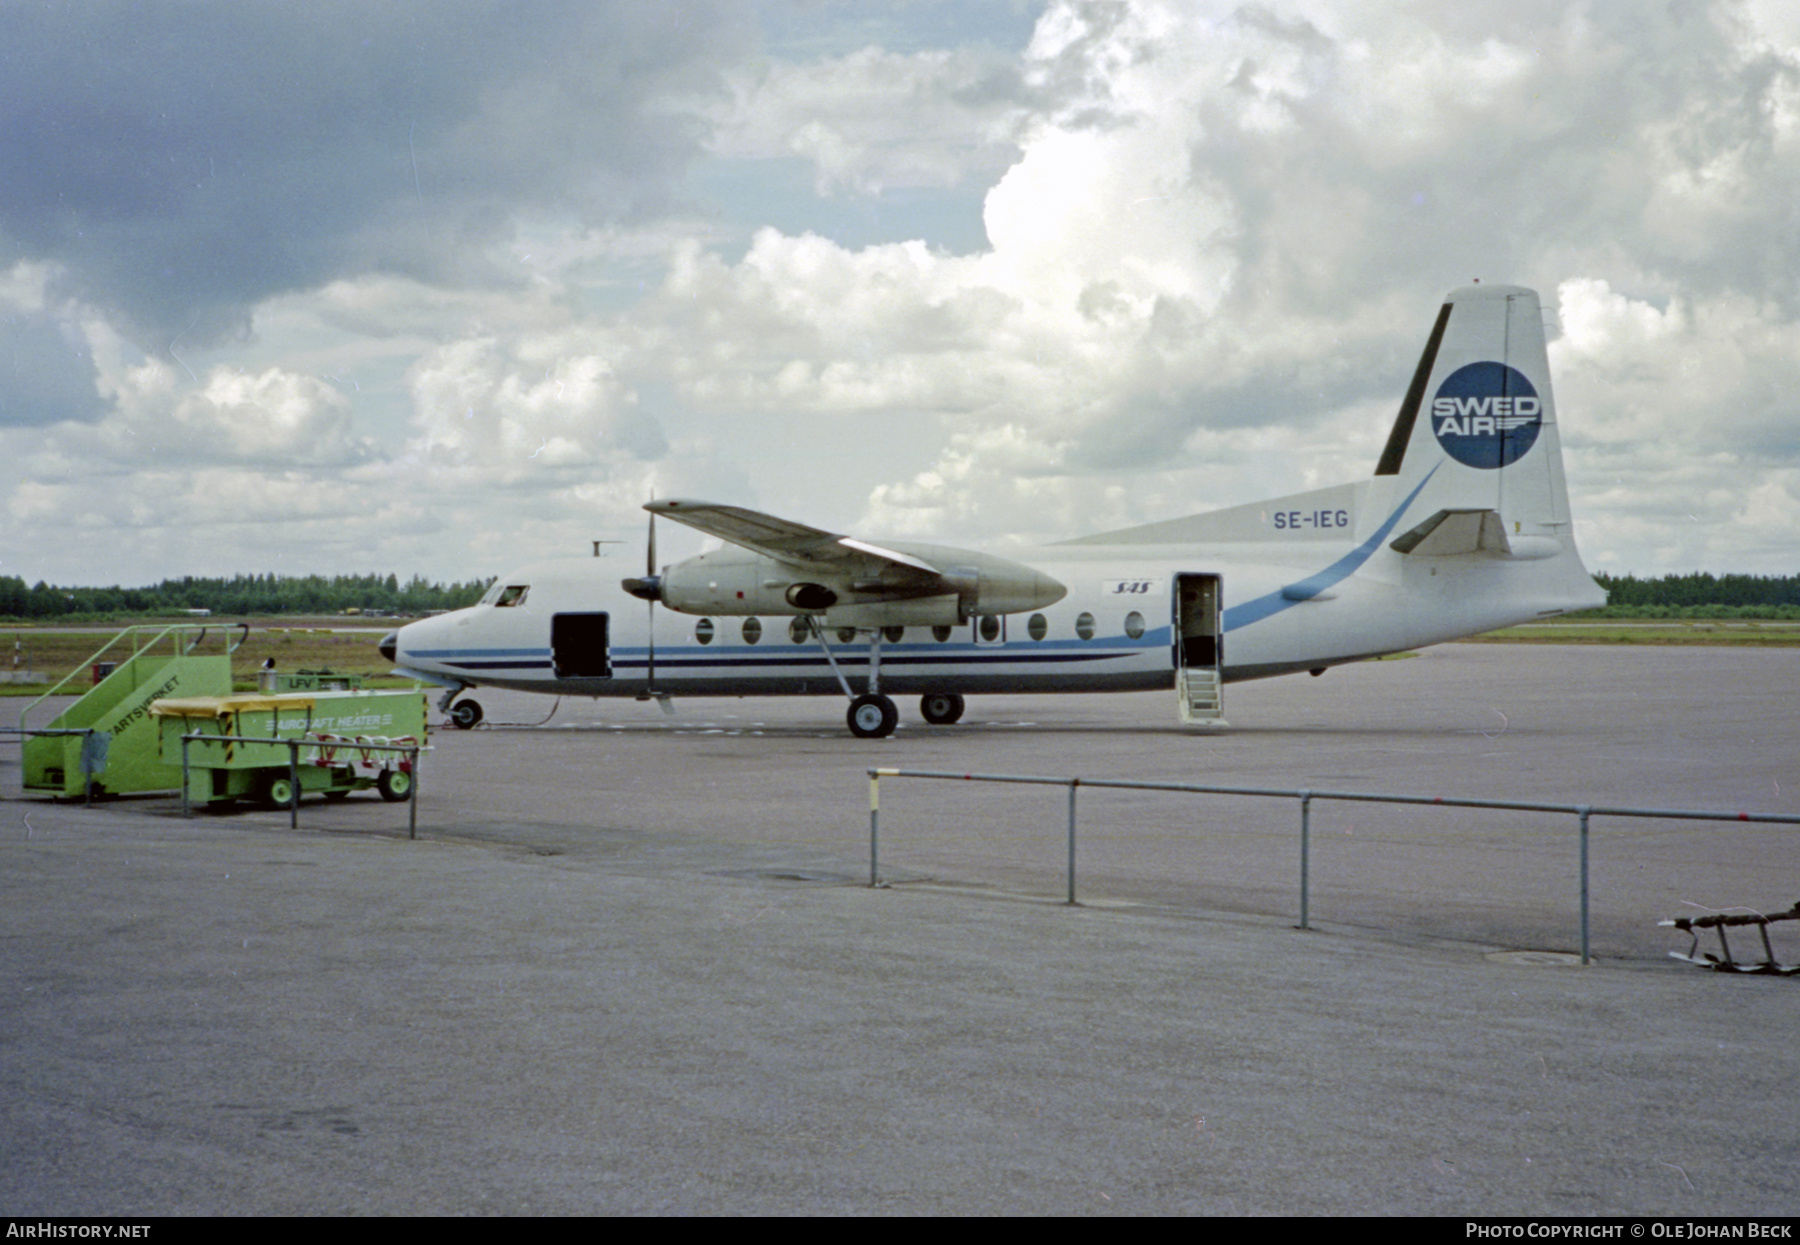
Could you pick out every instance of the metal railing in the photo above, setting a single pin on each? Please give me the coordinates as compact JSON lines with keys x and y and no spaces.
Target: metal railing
{"x":1306,"y":796}
{"x":294,"y":744}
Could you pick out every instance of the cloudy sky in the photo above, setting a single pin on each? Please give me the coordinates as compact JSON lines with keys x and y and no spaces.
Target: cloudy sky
{"x":438,"y":288}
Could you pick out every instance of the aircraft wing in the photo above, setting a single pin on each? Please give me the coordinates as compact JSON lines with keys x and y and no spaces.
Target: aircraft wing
{"x":783,"y":539}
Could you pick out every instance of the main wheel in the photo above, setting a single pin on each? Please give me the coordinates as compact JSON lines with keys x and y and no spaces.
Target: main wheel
{"x":465,"y":714}
{"x":395,"y":785}
{"x":873,"y":717}
{"x":279,"y":791}
{"x":941,"y":708}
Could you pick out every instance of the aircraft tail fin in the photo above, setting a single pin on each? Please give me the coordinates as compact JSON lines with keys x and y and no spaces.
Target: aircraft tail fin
{"x":1476,"y":433}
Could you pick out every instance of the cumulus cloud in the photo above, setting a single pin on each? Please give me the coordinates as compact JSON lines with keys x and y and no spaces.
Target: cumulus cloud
{"x":1216,"y":235}
{"x":537,"y":408}
{"x":182,"y":163}
{"x":1226,"y":219}
{"x":875,"y":120}
{"x":272,"y":418}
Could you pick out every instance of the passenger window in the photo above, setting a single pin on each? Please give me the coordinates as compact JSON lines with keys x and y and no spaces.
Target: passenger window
{"x":1084,"y":626}
{"x":513,"y":594}
{"x":941,"y":634}
{"x":703,"y":631}
{"x":799,"y":630}
{"x":1134,"y":625}
{"x":893,"y":635}
{"x":846,"y":634}
{"x":752,"y":630}
{"x":1039,"y":626}
{"x":990,"y":626}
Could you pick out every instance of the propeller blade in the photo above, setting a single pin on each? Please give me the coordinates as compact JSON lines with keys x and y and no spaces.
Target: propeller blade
{"x":650,"y":545}
{"x":650,"y":576}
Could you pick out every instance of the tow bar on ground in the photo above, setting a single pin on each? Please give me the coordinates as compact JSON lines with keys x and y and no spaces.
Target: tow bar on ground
{"x":1725,"y":962}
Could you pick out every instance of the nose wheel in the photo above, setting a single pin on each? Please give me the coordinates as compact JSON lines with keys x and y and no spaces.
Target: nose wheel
{"x":873,"y":717}
{"x":465,"y":714}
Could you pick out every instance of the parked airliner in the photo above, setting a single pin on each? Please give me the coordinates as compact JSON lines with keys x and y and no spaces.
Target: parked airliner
{"x":1463,"y":528}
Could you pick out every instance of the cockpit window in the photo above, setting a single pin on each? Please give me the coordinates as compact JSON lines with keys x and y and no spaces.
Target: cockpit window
{"x":512,"y":594}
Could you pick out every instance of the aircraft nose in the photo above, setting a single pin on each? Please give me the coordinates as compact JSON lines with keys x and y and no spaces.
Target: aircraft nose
{"x":389,"y":644}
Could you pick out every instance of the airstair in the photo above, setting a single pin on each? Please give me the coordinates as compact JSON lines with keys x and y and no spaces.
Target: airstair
{"x":1202,"y":702}
{"x":107,"y":741}
{"x":1199,"y":691}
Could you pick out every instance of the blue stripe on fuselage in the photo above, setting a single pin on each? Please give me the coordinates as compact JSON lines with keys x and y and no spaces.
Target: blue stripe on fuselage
{"x":1305,"y":589}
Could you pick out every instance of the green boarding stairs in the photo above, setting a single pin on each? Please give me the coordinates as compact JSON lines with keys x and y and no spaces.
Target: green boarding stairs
{"x":117,"y":750}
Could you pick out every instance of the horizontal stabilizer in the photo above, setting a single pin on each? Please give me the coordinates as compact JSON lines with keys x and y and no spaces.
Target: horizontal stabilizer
{"x":1450,"y":532}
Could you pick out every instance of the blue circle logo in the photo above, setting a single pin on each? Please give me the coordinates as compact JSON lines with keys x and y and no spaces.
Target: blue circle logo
{"x":1487,"y":415}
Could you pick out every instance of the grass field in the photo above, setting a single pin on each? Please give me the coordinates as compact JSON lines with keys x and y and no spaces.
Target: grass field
{"x":295,"y":644}
{"x":1735,"y":633}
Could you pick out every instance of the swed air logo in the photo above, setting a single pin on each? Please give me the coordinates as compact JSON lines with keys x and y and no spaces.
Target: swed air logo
{"x":1486,"y":415}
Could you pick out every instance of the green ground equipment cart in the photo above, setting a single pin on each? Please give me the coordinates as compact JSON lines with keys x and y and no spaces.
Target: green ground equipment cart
{"x":342,"y":742}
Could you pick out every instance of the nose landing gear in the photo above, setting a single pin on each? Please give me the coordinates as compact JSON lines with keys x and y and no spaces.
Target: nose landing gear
{"x":465,"y":714}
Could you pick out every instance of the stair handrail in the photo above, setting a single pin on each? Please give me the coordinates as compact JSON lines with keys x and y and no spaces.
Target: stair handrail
{"x":176,"y":629}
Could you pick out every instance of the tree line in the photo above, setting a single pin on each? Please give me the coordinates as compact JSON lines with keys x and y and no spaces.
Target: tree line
{"x":1697,"y":593}
{"x":240,"y":594}
{"x":1702,"y":594}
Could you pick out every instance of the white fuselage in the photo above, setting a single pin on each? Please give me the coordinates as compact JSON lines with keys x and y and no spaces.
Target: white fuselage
{"x":1292,"y":600}
{"x":1463,"y":527}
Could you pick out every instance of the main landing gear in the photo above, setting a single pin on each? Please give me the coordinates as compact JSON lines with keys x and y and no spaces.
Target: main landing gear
{"x":941,"y":708}
{"x":872,"y":715}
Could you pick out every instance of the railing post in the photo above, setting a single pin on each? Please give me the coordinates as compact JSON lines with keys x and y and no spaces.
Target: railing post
{"x":294,"y":779}
{"x":1305,"y":855}
{"x":1073,"y":783}
{"x":1584,"y":810}
{"x":874,"y":825}
{"x":186,"y":810}
{"x":412,"y":805}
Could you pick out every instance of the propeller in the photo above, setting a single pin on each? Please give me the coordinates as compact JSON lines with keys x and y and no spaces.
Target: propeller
{"x":649,"y":590}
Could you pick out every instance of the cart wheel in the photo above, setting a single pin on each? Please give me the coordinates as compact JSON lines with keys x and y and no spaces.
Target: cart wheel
{"x":394,"y":785}
{"x":280,"y":792}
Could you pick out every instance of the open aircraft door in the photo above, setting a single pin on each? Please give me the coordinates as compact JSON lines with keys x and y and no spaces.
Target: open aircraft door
{"x":579,"y":646}
{"x":1199,"y":645}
